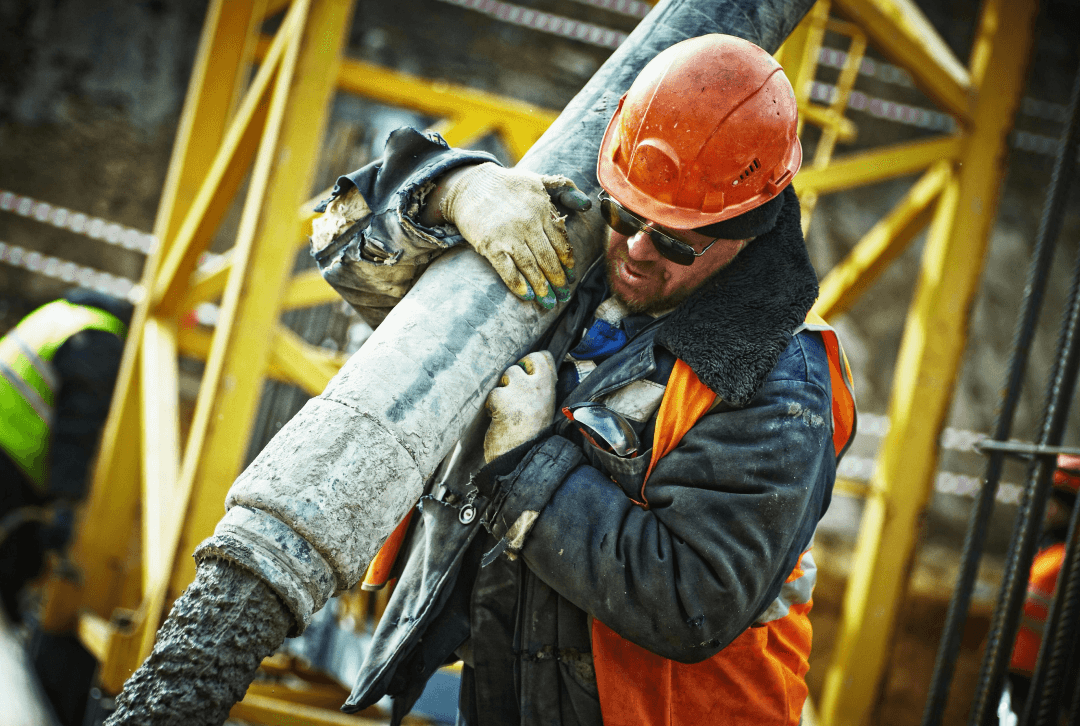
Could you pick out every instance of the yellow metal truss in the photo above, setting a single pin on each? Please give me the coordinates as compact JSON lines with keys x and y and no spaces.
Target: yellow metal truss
{"x":147,"y":481}
{"x":957,"y":196}
{"x":155,"y":496}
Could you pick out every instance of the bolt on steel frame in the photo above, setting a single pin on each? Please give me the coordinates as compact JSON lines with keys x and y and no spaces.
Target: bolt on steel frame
{"x":171,"y":492}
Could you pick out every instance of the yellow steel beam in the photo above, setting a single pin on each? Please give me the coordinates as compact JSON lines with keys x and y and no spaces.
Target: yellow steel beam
{"x":99,"y":549}
{"x":845,"y":283}
{"x":465,"y":129}
{"x":440,"y":98}
{"x":851,"y":488}
{"x":304,"y":693}
{"x":304,"y":364}
{"x":111,"y":643}
{"x":217,"y":79}
{"x":830,"y":133}
{"x":927,"y":367}
{"x":846,"y":131}
{"x":221,"y":183}
{"x":273,"y":7}
{"x":308,"y":215}
{"x":96,"y":634}
{"x":900,"y":30}
{"x":868,"y":167}
{"x":520,"y":135}
{"x":195,"y":343}
{"x":207,"y":285}
{"x":277,"y":712}
{"x":799,"y":54}
{"x":308,"y":289}
{"x":239,"y":355}
{"x":519,"y":123}
{"x":160,"y":441}
{"x":161,"y":468}
{"x":305,"y":289}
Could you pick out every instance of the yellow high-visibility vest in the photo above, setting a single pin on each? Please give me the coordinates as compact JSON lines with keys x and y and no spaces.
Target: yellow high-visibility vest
{"x":29,"y":383}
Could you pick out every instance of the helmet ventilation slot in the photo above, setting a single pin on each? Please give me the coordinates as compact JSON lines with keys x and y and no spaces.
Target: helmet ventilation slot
{"x":754,"y":166}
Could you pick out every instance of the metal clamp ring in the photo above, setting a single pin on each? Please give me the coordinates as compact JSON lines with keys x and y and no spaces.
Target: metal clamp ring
{"x":467,"y":514}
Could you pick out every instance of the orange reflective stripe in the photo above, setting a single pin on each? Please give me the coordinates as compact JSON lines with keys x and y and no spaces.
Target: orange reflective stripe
{"x":686,"y":399}
{"x":843,"y":395}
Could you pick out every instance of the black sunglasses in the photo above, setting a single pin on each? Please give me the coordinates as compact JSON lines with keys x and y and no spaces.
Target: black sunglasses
{"x":625,"y":222}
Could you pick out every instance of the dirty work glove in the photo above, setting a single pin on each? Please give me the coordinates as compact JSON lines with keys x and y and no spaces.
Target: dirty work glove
{"x":507,"y":216}
{"x":522,"y":405}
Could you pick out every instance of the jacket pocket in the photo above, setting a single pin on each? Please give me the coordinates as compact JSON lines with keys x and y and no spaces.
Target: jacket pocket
{"x":629,"y":474}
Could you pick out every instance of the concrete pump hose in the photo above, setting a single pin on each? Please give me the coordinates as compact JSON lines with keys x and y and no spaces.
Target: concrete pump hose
{"x":205,"y":657}
{"x":311,"y":511}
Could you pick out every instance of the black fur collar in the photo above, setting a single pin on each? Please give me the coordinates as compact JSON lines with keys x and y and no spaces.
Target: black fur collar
{"x":732,"y":331}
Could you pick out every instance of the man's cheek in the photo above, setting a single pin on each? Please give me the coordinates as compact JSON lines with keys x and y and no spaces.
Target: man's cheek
{"x":615,"y":244}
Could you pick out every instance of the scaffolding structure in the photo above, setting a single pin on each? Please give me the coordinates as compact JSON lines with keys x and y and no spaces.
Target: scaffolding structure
{"x":159,"y":485}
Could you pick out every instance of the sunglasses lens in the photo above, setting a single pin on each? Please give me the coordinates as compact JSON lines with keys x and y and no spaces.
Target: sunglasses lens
{"x":628,"y":225}
{"x":617,"y":219}
{"x":673,"y":249}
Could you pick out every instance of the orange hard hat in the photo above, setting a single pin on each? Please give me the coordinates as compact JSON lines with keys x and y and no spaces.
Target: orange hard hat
{"x":705,"y":133}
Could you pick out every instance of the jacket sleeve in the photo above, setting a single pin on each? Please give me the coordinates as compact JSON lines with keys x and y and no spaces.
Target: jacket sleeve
{"x":373,"y":264}
{"x":731,"y":509}
{"x":87,"y":365}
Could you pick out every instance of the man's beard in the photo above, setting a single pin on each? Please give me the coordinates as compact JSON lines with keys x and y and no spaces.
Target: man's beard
{"x":652,"y":304}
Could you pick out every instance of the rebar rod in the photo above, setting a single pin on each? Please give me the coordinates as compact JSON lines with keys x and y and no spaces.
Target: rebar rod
{"x":1044,"y":699}
{"x":1074,"y":716}
{"x":1059,"y":637}
{"x":1023,"y":335}
{"x":1032,"y":508}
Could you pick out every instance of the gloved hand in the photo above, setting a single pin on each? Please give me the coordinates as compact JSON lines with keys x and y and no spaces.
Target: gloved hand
{"x":522,"y":405}
{"x":507,"y":216}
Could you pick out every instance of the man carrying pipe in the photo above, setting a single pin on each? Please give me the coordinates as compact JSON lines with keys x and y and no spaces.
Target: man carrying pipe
{"x":308,"y":515}
{"x":657,"y":467}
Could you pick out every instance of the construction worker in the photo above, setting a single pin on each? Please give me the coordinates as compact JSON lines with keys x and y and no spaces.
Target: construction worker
{"x":637,"y":548}
{"x":1042,"y":587}
{"x":58,"y":367}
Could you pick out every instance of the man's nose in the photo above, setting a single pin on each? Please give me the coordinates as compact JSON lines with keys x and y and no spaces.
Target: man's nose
{"x":640,"y":247}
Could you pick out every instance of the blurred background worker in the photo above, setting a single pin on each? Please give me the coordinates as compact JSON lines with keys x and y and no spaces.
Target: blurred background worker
{"x":1042,"y":587}
{"x":58,"y":367}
